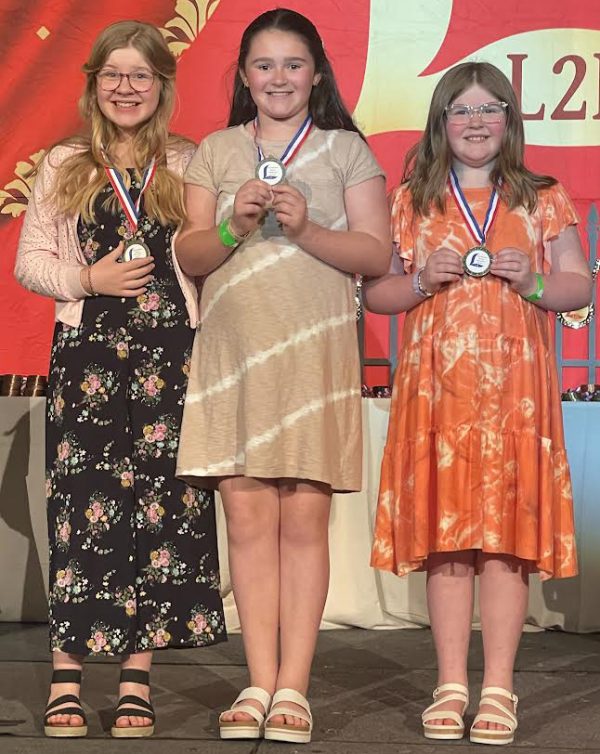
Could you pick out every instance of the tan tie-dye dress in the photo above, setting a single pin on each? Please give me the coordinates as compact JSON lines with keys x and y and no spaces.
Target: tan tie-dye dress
{"x":475,"y":455}
{"x":274,"y":389}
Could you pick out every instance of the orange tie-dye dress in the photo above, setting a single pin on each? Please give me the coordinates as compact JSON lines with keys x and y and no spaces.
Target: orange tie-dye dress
{"x":475,"y":455}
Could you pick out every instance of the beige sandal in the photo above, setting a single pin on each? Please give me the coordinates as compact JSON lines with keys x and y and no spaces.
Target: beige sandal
{"x":508,"y":718}
{"x":246,"y":728}
{"x":138,"y":707}
{"x":457,"y":692}
{"x":290,"y":733}
{"x":53,"y":730}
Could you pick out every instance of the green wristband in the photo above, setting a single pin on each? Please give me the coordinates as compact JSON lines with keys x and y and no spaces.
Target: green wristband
{"x":226,"y":236}
{"x":539,"y":288}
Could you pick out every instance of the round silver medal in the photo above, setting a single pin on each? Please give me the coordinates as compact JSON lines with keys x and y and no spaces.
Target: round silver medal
{"x":477,"y":261}
{"x":135,"y":250}
{"x":271,"y":171}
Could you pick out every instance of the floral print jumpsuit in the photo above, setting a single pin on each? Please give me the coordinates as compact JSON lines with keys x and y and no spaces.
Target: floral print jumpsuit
{"x":133,"y":553}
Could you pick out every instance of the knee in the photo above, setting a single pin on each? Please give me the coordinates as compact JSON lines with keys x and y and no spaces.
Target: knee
{"x":304,"y":531}
{"x":248,"y":524}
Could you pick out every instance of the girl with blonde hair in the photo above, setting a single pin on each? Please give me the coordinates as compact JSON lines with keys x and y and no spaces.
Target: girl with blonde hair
{"x":133,"y":560}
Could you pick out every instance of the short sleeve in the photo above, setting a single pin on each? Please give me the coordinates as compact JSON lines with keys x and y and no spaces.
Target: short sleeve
{"x":360,"y":164}
{"x":179,"y":155}
{"x":556,"y":210}
{"x":201,"y":169}
{"x":403,"y":225}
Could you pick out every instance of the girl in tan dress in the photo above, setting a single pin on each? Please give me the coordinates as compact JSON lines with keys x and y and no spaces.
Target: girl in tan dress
{"x":281,"y":394}
{"x":475,"y":475}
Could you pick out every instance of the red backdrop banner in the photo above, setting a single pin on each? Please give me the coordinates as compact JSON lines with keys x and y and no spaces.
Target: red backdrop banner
{"x":387,"y":56}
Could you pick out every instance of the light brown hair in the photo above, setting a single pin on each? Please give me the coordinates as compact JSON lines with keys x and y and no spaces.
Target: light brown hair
{"x":81,"y":177}
{"x":428,"y":163}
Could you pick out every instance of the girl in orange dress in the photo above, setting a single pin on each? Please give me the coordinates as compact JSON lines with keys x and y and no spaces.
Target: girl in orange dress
{"x":475,"y":476}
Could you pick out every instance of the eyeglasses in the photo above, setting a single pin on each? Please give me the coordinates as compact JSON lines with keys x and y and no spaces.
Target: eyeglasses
{"x":140,"y":81}
{"x":489,"y":112}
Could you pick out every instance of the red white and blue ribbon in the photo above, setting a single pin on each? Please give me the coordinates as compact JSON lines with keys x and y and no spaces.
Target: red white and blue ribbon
{"x":131,"y":208}
{"x":479,"y":233}
{"x":294,"y":146}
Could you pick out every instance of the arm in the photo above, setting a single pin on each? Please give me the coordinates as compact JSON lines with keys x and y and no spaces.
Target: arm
{"x":568,"y":286}
{"x":391,"y":293}
{"x":38,"y":266}
{"x":395,"y":292}
{"x":364,"y":248}
{"x":198,"y":246}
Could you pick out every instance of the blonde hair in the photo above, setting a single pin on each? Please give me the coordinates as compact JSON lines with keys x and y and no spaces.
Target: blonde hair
{"x":81,"y":177}
{"x":428,"y":163}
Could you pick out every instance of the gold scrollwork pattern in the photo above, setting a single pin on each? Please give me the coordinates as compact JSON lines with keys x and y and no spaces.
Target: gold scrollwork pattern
{"x":15,"y":195}
{"x":191,"y":18}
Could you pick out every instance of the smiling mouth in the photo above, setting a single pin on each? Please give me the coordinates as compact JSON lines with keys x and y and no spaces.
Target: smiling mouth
{"x":125,"y":105}
{"x":279,"y":94}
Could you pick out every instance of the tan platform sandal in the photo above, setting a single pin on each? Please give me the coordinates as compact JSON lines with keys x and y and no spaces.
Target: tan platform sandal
{"x":507,"y":718}
{"x":65,"y":731}
{"x":289,"y":733}
{"x":140,"y":708}
{"x":246,"y":728}
{"x":453,"y":692}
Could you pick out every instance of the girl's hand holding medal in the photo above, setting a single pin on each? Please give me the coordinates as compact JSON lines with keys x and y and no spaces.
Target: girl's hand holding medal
{"x":443,"y":266}
{"x":514,"y":266}
{"x":251,"y":204}
{"x":290,"y":210}
{"x":110,"y":276}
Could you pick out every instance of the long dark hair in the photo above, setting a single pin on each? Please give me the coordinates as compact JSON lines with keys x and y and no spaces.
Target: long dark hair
{"x":325,"y":104}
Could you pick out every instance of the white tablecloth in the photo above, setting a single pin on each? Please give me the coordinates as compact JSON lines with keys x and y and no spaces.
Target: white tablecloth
{"x":358,"y":595}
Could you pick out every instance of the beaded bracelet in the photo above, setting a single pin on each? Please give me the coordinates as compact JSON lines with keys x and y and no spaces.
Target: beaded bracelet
{"x":89,"y":280}
{"x":418,"y":287}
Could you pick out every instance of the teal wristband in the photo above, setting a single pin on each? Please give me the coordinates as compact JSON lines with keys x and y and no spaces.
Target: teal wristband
{"x":226,"y":236}
{"x":539,"y":288}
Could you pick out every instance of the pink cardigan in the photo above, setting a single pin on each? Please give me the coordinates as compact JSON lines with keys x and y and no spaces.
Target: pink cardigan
{"x":49,"y":257}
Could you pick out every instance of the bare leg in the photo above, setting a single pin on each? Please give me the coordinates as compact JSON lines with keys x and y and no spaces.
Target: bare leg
{"x":252,"y":514}
{"x":138,"y":661}
{"x":450,"y":583}
{"x":503,"y":595}
{"x":304,"y":564}
{"x":64,"y":661}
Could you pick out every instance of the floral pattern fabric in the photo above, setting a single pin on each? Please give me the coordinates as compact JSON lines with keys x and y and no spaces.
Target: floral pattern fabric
{"x":133,"y":553}
{"x":475,"y":455}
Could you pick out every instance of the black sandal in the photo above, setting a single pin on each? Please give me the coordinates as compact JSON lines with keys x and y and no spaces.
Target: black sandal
{"x":65,"y":731}
{"x":134,"y":731}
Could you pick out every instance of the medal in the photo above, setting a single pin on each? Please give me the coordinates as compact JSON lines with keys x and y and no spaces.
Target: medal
{"x":135,"y":249}
{"x":477,"y":262}
{"x":272,"y":170}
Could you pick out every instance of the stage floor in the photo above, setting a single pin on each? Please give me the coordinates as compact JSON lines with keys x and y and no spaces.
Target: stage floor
{"x":369,"y":688}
